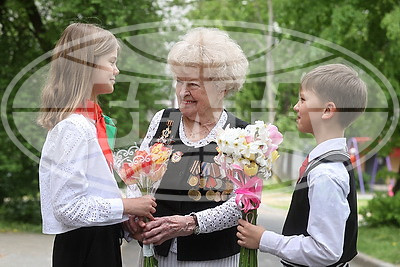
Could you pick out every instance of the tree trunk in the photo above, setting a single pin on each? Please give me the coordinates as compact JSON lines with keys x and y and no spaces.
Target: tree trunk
{"x":39,"y":29}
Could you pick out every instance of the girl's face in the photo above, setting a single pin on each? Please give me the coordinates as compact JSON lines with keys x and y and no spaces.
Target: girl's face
{"x":105,"y":73}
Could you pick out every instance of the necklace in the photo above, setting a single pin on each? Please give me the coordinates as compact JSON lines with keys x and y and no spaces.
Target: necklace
{"x":198,"y":131}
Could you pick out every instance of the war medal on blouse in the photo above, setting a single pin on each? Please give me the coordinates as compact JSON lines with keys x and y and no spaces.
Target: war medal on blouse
{"x":176,"y":156}
{"x":166,"y":133}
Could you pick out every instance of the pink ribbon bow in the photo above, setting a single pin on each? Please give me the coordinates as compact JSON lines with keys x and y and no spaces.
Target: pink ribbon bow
{"x":248,"y":194}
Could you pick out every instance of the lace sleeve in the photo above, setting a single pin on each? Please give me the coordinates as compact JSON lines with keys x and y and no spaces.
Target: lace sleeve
{"x":73,"y":201}
{"x":151,"y":131}
{"x":219,"y":218}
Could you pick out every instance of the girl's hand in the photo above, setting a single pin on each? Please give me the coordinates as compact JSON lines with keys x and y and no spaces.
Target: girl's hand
{"x":164,"y":228}
{"x":141,"y":206}
{"x":249,"y":234}
{"x":134,"y":226}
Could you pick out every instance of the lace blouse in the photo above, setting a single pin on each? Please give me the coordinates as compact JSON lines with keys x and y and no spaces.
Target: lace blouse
{"x":77,"y":188}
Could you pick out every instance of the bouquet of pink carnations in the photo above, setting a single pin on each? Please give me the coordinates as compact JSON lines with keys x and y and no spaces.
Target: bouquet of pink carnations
{"x":246,"y":157}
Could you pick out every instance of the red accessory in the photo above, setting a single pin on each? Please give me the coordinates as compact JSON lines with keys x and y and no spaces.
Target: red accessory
{"x":94,"y":112}
{"x":302,"y":169}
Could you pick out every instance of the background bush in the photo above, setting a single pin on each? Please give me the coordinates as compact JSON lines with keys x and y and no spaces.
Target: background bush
{"x":382,"y":210}
{"x":23,"y":209}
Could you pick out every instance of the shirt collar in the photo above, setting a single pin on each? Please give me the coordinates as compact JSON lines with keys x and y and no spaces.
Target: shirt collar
{"x":328,"y":145}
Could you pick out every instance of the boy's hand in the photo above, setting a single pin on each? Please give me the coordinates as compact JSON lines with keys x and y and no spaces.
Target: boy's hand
{"x":249,"y":235}
{"x":141,"y":206}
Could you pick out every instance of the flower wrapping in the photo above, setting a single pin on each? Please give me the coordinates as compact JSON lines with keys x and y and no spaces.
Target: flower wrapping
{"x":145,"y":170}
{"x":245,"y":156}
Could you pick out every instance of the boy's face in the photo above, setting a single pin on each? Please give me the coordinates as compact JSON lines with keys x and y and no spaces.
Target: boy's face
{"x":309,"y":109}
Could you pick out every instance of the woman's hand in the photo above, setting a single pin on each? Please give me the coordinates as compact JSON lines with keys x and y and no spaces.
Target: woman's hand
{"x":249,"y":234}
{"x":141,"y":206}
{"x":164,"y":228}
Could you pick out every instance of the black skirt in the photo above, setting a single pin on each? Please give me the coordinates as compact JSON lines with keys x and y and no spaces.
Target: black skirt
{"x":96,"y":246}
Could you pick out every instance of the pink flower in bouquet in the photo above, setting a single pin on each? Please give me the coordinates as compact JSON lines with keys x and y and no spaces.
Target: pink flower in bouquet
{"x":276,"y":139}
{"x":145,"y":168}
{"x":249,"y":139}
{"x":127,"y":174}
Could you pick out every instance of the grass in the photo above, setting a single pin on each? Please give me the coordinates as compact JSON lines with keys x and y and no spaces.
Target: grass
{"x":280,"y":197}
{"x":6,"y":226}
{"x":382,"y":243}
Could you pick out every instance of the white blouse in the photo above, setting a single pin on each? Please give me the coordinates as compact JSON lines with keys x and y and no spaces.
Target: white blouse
{"x":77,"y":188}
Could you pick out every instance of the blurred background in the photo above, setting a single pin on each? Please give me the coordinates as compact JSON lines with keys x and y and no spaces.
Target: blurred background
{"x":282,"y":40}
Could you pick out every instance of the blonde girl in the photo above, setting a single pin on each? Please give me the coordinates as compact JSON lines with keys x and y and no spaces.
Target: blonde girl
{"x":80,"y":200}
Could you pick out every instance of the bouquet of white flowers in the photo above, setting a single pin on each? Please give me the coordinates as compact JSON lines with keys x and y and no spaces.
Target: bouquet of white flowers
{"x":246,"y":157}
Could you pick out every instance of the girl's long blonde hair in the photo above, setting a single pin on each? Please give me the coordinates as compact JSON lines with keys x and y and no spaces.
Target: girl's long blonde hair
{"x":69,"y":82}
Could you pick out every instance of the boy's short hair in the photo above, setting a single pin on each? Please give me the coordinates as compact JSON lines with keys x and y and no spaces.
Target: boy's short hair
{"x":341,"y":85}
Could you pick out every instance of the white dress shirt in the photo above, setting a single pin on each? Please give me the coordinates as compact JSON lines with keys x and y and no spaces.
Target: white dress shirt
{"x":77,"y":188}
{"x":328,"y":189}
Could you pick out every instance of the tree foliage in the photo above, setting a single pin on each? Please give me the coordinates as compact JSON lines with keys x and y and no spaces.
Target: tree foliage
{"x":28,"y":29}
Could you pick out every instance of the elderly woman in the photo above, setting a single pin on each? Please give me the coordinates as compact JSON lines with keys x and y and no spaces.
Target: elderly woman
{"x":196,"y":214}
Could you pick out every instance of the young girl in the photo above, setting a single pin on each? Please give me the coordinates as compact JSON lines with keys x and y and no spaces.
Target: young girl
{"x":80,"y":200}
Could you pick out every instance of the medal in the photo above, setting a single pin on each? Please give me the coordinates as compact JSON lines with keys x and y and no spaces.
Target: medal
{"x":194,"y":194}
{"x":210,"y":195}
{"x":211,"y":183}
{"x":228,"y":191}
{"x":205,"y":168}
{"x":225,"y":194}
{"x":215,"y":171}
{"x":203,"y":182}
{"x":177,"y":156}
{"x":193,"y":180}
{"x":195,"y":169}
{"x":219,"y":183}
{"x":217,"y":196}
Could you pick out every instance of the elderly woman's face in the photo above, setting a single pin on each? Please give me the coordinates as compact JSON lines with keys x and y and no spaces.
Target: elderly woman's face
{"x":197,"y":96}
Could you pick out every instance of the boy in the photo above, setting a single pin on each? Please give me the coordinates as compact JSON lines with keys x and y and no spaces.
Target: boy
{"x":321,"y":225}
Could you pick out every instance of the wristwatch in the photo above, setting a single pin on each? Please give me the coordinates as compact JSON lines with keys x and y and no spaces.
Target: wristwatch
{"x":196,"y":230}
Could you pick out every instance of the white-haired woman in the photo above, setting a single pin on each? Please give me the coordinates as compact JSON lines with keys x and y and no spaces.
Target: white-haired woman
{"x":196,"y":215}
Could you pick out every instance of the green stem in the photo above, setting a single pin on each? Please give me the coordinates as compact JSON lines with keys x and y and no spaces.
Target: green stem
{"x":248,"y":257}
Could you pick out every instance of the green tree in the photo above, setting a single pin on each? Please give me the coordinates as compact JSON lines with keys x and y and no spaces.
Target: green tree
{"x":369,"y":29}
{"x":28,"y":29}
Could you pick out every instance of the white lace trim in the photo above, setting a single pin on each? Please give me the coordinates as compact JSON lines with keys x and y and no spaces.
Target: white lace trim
{"x":209,"y":138}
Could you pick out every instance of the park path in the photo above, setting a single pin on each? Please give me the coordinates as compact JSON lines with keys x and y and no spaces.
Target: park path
{"x":34,"y":250}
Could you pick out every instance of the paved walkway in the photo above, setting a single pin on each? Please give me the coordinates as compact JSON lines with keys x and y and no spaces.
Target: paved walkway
{"x":34,"y":250}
